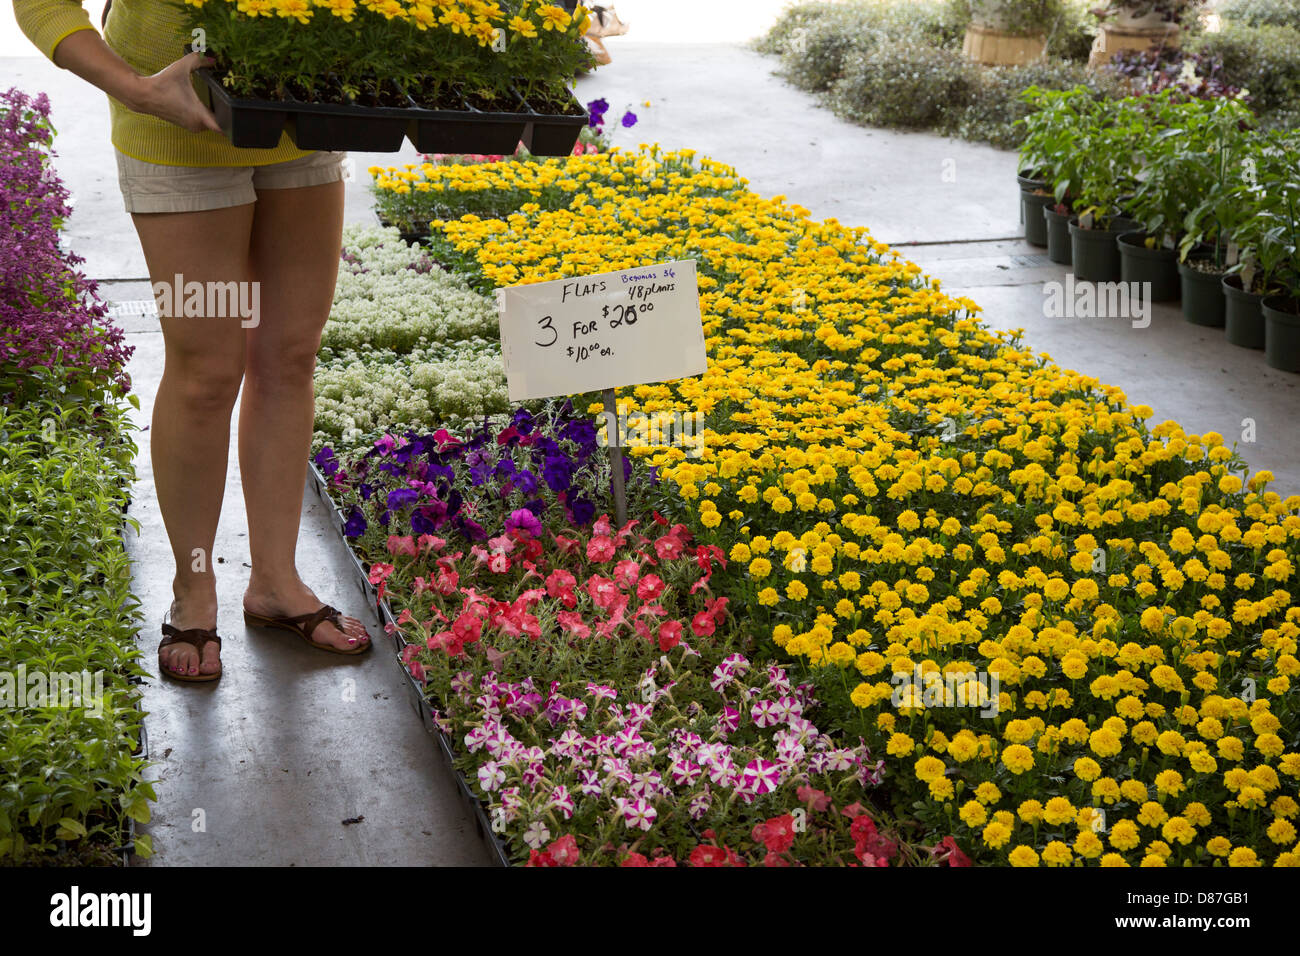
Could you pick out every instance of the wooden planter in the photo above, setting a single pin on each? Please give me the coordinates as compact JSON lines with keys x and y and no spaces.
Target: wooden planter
{"x":1114,"y":38}
{"x":998,"y":48}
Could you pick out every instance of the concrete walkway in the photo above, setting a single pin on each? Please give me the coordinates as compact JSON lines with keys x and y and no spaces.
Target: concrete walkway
{"x":275,"y":756}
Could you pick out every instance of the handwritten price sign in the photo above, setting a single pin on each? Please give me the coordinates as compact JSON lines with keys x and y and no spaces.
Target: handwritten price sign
{"x":596,"y":332}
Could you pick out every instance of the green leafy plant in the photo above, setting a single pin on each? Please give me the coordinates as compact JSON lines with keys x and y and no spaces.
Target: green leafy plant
{"x":66,"y":607}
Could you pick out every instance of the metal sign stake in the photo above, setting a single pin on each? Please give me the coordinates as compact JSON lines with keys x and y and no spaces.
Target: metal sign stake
{"x":615,"y":457}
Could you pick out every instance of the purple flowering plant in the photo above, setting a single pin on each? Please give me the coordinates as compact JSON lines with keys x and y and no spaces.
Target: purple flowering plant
{"x":547,"y":463}
{"x":54,"y":331}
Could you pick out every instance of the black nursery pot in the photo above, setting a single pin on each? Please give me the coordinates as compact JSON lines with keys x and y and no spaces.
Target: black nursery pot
{"x":248,"y":124}
{"x":1282,"y":332}
{"x":1156,"y":266}
{"x":468,"y":131}
{"x":1029,"y":180}
{"x":1095,"y":252}
{"x":555,"y":134}
{"x":1032,"y":205}
{"x":1202,"y":292}
{"x":1058,"y":235}
{"x":1243,"y":315}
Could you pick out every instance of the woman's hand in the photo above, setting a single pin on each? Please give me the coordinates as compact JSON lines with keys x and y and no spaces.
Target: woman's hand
{"x":168,"y":95}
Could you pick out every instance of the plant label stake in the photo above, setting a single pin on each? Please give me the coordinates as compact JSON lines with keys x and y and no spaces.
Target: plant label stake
{"x":616,"y":457}
{"x":594,"y":333}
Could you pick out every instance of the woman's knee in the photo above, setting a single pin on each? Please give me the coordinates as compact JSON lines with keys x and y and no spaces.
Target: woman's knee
{"x":202,"y":384}
{"x":289,"y":365}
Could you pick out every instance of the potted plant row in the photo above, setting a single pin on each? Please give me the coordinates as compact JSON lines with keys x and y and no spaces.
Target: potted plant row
{"x":1182,"y":194}
{"x":453,"y":77}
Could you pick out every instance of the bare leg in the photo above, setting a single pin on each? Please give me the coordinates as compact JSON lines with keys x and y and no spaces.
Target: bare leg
{"x":296,"y":240}
{"x":190,"y":435}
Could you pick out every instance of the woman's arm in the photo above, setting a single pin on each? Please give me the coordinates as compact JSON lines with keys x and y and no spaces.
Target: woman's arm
{"x":61,"y":30}
{"x":167,"y":94}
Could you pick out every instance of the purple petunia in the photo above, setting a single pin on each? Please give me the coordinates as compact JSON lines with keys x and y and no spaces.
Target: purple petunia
{"x":524,"y":520}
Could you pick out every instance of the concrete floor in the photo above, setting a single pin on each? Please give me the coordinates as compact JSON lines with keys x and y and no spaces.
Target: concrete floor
{"x":274,"y":755}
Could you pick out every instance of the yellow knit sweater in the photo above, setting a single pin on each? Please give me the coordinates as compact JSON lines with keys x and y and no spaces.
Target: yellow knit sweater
{"x":148,"y":35}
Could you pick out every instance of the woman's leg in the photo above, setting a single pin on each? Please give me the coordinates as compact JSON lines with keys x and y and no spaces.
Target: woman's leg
{"x":190,"y":435}
{"x":294,"y":255}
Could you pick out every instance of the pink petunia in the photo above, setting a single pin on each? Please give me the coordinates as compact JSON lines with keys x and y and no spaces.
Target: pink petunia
{"x":571,"y":621}
{"x":649,"y":587}
{"x":404,"y":544}
{"x":600,"y":548}
{"x":670,"y":635}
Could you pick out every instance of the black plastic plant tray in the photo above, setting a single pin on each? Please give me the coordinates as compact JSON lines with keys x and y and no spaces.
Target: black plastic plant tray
{"x":371,"y":129}
{"x":553,"y":134}
{"x":258,"y":124}
{"x":248,"y":124}
{"x":466,"y":131}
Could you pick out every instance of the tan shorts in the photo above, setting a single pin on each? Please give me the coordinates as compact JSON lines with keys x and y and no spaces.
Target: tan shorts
{"x":150,"y":187}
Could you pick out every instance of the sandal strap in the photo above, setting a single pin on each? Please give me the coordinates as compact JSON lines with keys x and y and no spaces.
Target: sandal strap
{"x":196,"y":637}
{"x":309,"y":622}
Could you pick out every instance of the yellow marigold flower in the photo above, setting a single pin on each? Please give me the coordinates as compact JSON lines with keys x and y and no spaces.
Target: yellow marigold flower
{"x":1031,"y":811}
{"x":553,"y":18}
{"x":963,"y":746}
{"x":1113,"y":860}
{"x":928,"y":768}
{"x":1088,"y":845}
{"x":1170,"y":782}
{"x":1057,"y":853}
{"x":1151,"y":814}
{"x":1058,"y":810}
{"x":1087,"y":769}
{"x":1218,"y":846}
{"x":996,"y":834}
{"x":1243,"y":856}
{"x":1281,"y":831}
{"x":1023,"y":856}
{"x":987,"y":793}
{"x":1103,"y":743}
{"x":900,"y":745}
{"x":524,"y":28}
{"x":1018,"y":758}
{"x":1178,"y":829}
{"x":973,"y":813}
{"x":1230,"y":748}
{"x":760,"y":568}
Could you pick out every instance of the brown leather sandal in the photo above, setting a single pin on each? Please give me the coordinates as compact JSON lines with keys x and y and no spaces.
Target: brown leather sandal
{"x":304,"y":624}
{"x":197,"y":638}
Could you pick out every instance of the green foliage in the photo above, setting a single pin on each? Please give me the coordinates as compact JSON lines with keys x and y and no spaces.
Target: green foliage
{"x":905,"y":83}
{"x":994,"y":111}
{"x":1265,"y":60}
{"x":1255,"y":13}
{"x":66,"y":607}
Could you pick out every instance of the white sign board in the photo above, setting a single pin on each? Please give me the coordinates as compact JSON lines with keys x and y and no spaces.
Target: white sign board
{"x":588,"y":333}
